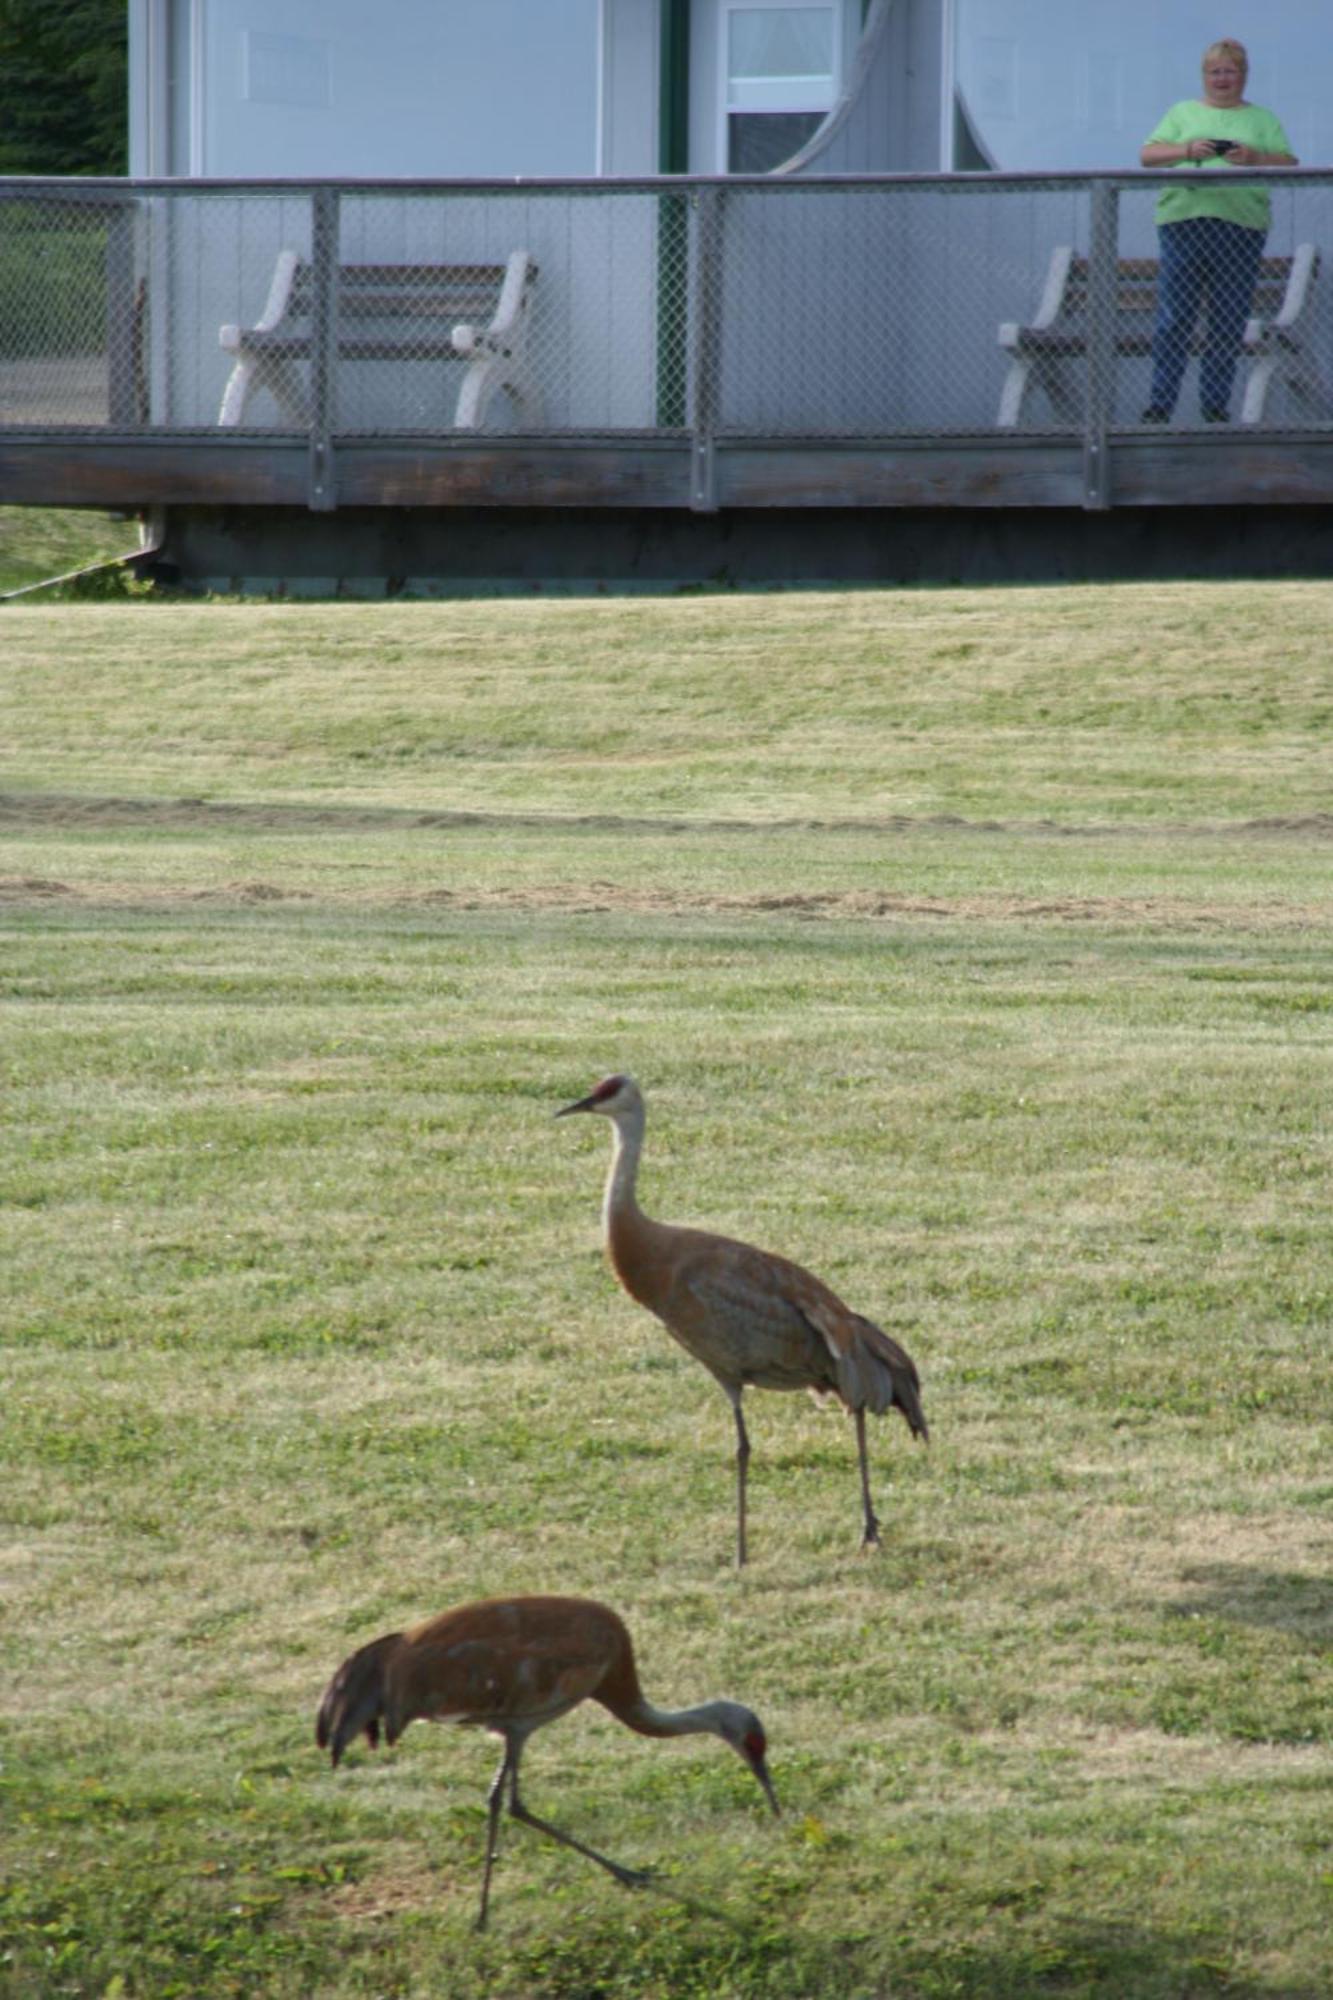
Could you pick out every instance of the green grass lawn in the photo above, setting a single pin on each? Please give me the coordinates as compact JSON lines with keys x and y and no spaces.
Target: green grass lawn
{"x":38,"y":543}
{"x":972,"y":947}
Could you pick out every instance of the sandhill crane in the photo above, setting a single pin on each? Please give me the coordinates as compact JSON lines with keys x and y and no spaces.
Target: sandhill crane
{"x":753,"y":1319}
{"x":510,"y":1664}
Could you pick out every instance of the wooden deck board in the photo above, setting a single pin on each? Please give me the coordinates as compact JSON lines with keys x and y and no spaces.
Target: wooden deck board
{"x":80,"y":469}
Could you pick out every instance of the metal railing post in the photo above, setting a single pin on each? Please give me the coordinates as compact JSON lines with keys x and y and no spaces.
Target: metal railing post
{"x":705,"y":309}
{"x":1102,"y":250}
{"x":324,"y":238}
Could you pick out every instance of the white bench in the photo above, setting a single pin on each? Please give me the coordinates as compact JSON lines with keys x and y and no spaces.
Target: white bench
{"x":1275,"y":341}
{"x":391,"y":312}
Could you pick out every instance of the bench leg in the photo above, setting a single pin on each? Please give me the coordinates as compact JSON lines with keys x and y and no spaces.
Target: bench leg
{"x":283,"y":381}
{"x":1050,"y":377}
{"x":482,"y":381}
{"x":1256,"y":390}
{"x":1302,"y":382}
{"x":236,"y":394}
{"x":1013,"y":394}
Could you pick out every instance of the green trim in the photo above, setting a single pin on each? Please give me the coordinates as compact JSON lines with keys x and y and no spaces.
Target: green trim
{"x":673,"y":220}
{"x":673,"y":107}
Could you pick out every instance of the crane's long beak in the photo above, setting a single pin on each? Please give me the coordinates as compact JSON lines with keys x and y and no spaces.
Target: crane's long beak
{"x":760,"y":1769}
{"x":584,"y":1104}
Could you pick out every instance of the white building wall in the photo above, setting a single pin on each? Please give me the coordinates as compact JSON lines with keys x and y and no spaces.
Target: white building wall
{"x":406,"y":87}
{"x":415,"y":87}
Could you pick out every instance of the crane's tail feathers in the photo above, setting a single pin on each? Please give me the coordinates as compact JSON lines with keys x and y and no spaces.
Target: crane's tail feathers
{"x":907,"y":1396}
{"x":882,"y":1376}
{"x":355,"y":1699}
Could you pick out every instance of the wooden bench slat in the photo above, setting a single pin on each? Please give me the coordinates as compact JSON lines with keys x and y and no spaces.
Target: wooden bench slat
{"x":424,"y":275}
{"x":448,"y":305}
{"x":278,"y":346}
{"x":384,"y":289}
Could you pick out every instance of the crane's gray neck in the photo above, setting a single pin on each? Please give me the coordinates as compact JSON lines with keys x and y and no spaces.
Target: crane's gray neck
{"x":626,"y":1146}
{"x":708,"y":1719}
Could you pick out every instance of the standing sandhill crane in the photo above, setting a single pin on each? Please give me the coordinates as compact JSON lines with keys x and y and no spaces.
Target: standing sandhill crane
{"x":509,"y":1664}
{"x":750,"y":1317}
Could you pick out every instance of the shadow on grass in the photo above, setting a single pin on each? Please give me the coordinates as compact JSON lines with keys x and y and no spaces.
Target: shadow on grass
{"x":1094,"y":1959}
{"x":1074,"y":1961}
{"x":1300,"y":1606}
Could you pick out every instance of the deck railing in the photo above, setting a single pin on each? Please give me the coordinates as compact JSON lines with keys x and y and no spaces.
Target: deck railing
{"x":846,"y":308}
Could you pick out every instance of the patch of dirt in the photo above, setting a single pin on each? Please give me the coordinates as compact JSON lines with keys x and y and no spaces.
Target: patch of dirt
{"x":388,"y":1893}
{"x":867,"y":905}
{"x":59,"y":809}
{"x":249,"y":892}
{"x":599,"y":898}
{"x":619,"y":899}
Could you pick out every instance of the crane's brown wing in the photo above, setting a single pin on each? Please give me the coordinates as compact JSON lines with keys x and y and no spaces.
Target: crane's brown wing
{"x":738,"y":1312}
{"x":772,"y":1322}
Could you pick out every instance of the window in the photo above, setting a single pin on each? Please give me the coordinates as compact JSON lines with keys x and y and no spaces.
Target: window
{"x":780,"y":67}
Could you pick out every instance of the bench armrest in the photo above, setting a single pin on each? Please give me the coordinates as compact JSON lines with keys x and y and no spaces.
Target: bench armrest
{"x":1053,"y":291}
{"x":275,"y":306}
{"x":1304,"y":263}
{"x":519,"y":274}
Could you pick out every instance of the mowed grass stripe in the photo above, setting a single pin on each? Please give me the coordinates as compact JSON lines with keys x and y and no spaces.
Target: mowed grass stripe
{"x":1087,"y":703}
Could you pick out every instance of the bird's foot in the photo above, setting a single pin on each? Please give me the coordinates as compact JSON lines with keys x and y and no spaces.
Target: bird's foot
{"x":870,"y":1539}
{"x":634,"y":1878}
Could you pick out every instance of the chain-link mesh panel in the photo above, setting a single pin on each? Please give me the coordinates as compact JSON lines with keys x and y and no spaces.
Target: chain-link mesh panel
{"x":875,"y":309}
{"x":217,"y":259}
{"x":72,"y":313}
{"x":1213,"y":319}
{"x":575,"y":345}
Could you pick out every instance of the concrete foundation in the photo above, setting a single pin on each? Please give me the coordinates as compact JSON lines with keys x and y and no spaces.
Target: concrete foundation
{"x":449,"y":552}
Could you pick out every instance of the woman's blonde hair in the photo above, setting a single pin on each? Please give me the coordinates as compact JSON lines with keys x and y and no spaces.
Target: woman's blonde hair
{"x":1233,"y":51}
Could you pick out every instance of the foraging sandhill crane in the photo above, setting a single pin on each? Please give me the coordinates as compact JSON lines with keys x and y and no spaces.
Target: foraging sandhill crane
{"x":753,"y":1319}
{"x":510,"y":1664}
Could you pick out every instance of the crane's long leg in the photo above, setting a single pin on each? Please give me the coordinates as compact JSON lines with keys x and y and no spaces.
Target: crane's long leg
{"x":870,"y":1538}
{"x":742,"y":1466}
{"x":633,"y":1878}
{"x":494,"y":1800}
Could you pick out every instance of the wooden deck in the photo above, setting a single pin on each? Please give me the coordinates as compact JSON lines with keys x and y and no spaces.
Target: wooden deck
{"x":70,"y":468}
{"x":715,"y":408}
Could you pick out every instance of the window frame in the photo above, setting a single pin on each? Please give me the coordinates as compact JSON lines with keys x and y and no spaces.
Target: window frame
{"x":725,"y":109}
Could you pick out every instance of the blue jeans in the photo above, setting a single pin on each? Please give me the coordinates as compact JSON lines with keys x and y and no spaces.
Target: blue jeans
{"x":1202,"y":255}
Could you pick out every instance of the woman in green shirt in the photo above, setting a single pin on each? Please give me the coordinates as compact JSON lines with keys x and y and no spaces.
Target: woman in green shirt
{"x":1210,"y":230}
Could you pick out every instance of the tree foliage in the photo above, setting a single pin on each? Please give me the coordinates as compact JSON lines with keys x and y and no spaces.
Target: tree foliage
{"x":63,"y":87}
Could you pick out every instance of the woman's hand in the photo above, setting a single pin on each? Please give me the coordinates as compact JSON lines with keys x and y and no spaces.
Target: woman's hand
{"x":1200,"y":149}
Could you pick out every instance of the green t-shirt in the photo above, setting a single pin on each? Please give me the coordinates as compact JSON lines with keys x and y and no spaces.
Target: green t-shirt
{"x":1211,"y":187}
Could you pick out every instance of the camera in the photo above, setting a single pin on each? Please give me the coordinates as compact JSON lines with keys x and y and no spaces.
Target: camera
{"x":1223,"y":145}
